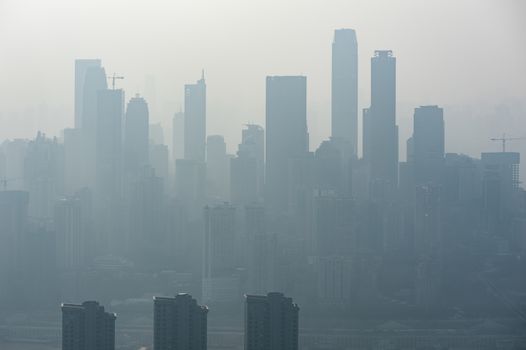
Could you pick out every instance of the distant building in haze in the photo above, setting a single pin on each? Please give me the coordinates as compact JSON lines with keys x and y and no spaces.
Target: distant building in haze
{"x":287,"y":136}
{"x":87,"y":327}
{"x":428,"y":144}
{"x":195,"y":120}
{"x":271,"y":322}
{"x":380,"y":129}
{"x":81,"y":67}
{"x":136,"y":134}
{"x":344,"y":101}
{"x":179,"y":323}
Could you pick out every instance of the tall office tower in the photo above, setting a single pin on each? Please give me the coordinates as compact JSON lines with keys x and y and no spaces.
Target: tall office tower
{"x":271,"y":322}
{"x":195,"y":120}
{"x":500,"y":184}
{"x":217,"y":168}
{"x":380,"y":129}
{"x":136,"y":134}
{"x":220,"y":284}
{"x":94,"y":82}
{"x":43,"y":175}
{"x":428,"y":144}
{"x":108,"y":168}
{"x":110,"y":105}
{"x":13,"y":221}
{"x":287,"y":136}
{"x":70,"y":233}
{"x":344,"y":99}
{"x":81,"y":67}
{"x":178,"y":136}
{"x":179,"y":323}
{"x":253,"y":144}
{"x":87,"y":327}
{"x":329,"y":168}
{"x":336,"y":225}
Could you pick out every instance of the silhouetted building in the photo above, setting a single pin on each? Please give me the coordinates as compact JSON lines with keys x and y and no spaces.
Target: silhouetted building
{"x":81,"y":67}
{"x":179,"y":323}
{"x":190,"y":185}
{"x":286,"y":138}
{"x":87,"y":327}
{"x":136,"y":135}
{"x":345,"y":88}
{"x":428,"y":144}
{"x":195,"y":120}
{"x":271,"y":322}
{"x":160,"y":160}
{"x":253,"y":144}
{"x":380,"y":129}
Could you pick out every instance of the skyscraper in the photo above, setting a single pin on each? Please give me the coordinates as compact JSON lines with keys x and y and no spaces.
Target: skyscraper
{"x":87,"y":327}
{"x":136,"y":134}
{"x":287,"y":135}
{"x":110,"y":105}
{"x":195,"y":120}
{"x":344,"y":97}
{"x":217,"y":168}
{"x":179,"y":323}
{"x":428,"y":144}
{"x":271,"y":322}
{"x":253,"y":143}
{"x":81,"y":67}
{"x":380,"y":129}
{"x":70,"y":241}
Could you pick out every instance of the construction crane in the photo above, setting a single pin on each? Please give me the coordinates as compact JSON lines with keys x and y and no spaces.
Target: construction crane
{"x":113,"y":78}
{"x":505,"y":139}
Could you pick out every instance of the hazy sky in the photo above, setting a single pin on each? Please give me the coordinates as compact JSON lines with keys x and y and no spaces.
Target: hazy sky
{"x":469,"y":56}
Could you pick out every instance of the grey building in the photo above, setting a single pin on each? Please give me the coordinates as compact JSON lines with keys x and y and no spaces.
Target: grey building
{"x":380,"y":129}
{"x":286,"y":138}
{"x":428,"y":144}
{"x":271,"y":322}
{"x":81,"y":67}
{"x":179,"y":323}
{"x":87,"y":327}
{"x":344,"y":94}
{"x":136,"y":134}
{"x":195,"y":120}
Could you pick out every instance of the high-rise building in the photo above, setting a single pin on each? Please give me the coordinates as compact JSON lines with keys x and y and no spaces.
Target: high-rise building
{"x":428,"y":144}
{"x":160,"y":160}
{"x":81,"y":67}
{"x":179,"y":323}
{"x":136,"y":134}
{"x":287,"y":136}
{"x":271,"y":322}
{"x":190,"y":185}
{"x":195,"y":120}
{"x":220,"y":258}
{"x":344,"y":94}
{"x":253,"y":144}
{"x":87,"y":327}
{"x":380,"y":129}
{"x":110,"y":106}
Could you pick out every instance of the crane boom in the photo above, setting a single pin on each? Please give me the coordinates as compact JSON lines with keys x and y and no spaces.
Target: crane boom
{"x":113,"y":78}
{"x":504,"y":139}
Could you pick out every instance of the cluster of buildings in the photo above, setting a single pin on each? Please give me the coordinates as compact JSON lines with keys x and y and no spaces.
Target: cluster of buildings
{"x":111,"y":212}
{"x":271,"y":322}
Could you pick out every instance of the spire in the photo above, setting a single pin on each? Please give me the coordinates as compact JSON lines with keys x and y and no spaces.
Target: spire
{"x":203,"y":74}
